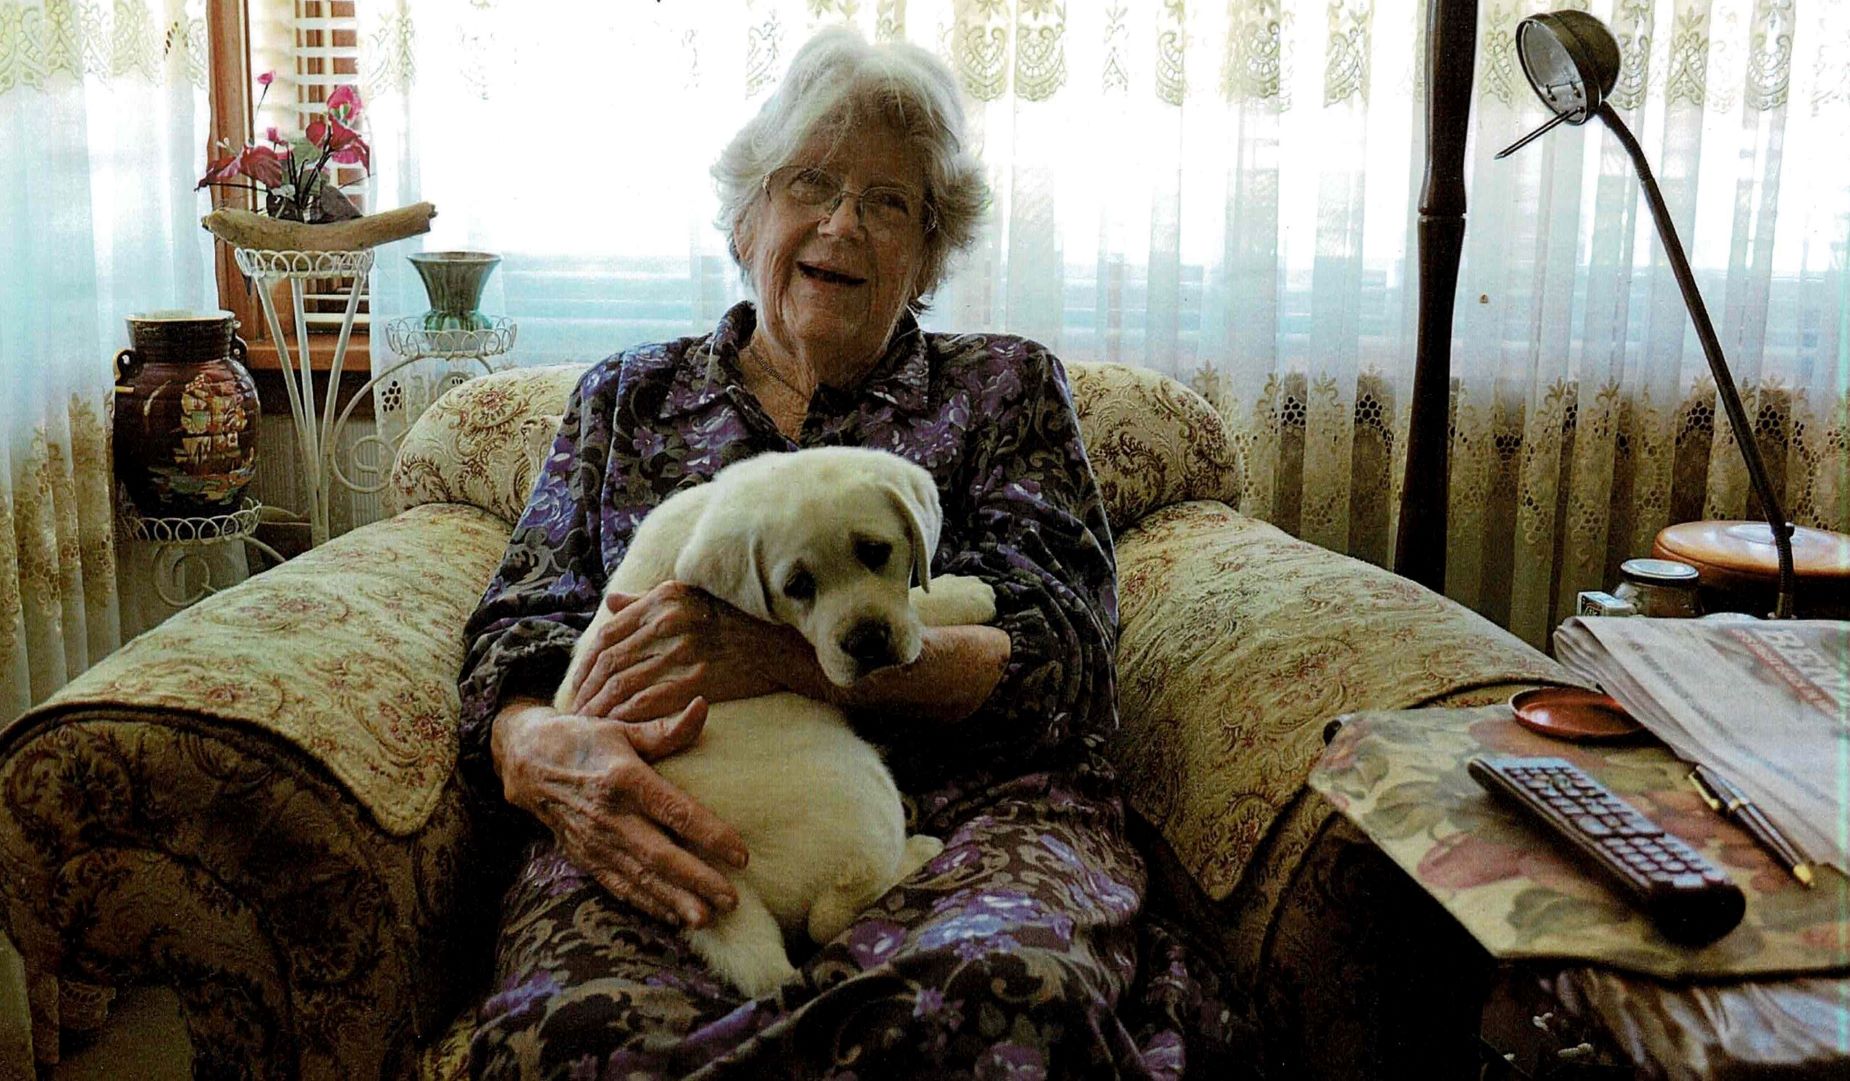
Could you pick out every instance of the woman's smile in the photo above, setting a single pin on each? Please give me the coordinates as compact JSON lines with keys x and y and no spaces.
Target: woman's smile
{"x":826,"y":274}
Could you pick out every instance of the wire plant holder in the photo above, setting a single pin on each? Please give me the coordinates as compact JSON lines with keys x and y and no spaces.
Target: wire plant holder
{"x":412,"y":343}
{"x":180,"y":543}
{"x":314,"y":427}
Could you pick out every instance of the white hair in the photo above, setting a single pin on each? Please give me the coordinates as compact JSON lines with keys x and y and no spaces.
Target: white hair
{"x":837,"y":82}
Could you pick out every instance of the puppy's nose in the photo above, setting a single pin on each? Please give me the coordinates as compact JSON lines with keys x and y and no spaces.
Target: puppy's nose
{"x":869,"y":643}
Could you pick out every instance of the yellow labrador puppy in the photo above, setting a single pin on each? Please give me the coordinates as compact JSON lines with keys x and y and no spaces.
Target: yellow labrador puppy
{"x":825,"y":540}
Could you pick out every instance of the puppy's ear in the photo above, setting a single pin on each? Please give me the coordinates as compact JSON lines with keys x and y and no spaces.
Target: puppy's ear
{"x":723,"y":556}
{"x":915,"y":497}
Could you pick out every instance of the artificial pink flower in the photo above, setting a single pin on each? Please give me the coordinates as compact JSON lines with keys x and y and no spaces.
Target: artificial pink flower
{"x":263,"y":165}
{"x":266,"y":78}
{"x":344,"y":104}
{"x":341,"y":143}
{"x":270,"y":134}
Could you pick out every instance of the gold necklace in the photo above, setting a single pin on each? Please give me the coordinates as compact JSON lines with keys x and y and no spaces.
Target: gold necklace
{"x":765,"y":366}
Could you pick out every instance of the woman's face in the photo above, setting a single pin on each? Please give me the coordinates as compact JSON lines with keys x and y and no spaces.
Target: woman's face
{"x":832,"y":282}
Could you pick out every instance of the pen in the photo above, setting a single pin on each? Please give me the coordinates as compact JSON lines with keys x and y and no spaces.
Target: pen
{"x":1725,"y":798}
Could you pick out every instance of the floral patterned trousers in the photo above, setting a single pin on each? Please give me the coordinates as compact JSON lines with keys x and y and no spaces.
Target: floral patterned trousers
{"x":1018,"y":952}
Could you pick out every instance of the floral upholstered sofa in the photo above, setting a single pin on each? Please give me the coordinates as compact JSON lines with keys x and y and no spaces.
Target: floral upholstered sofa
{"x":255,"y":803}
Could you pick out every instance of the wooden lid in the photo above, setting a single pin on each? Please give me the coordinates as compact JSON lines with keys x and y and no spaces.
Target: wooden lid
{"x":1725,"y":551}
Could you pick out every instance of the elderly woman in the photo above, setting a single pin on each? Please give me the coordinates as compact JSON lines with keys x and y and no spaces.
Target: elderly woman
{"x":1022,"y":949}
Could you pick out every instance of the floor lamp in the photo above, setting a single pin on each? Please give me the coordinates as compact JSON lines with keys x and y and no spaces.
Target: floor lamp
{"x":1572,"y":61}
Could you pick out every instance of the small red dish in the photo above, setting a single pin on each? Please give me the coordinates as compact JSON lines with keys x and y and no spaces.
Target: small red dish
{"x":1573,"y":713}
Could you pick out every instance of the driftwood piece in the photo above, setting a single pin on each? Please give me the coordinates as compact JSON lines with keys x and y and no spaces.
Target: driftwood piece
{"x":245,"y":229}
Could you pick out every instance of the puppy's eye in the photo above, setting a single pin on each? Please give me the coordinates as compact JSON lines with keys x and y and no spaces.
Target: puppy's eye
{"x":800,"y":586}
{"x":872,"y":554}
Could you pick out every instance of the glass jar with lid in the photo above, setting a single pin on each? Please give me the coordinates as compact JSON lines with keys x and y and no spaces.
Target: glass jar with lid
{"x":1662,"y":588}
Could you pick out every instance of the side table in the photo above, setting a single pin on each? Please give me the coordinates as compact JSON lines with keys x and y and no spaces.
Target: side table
{"x":1574,"y":962}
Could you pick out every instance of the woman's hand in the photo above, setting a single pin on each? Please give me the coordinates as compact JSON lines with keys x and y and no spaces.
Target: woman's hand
{"x":588,"y":780}
{"x":663,"y":649}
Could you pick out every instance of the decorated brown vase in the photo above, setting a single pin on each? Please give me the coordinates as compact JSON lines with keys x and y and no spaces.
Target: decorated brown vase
{"x":186,"y":414}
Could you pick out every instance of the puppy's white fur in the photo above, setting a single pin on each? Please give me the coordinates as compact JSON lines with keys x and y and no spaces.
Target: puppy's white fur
{"x":814,"y":802}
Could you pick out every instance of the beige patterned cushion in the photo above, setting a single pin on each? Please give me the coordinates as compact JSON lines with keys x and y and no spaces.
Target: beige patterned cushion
{"x":1152,"y":441}
{"x":477,"y":443}
{"x":1238,"y":642}
{"x":348,"y":651}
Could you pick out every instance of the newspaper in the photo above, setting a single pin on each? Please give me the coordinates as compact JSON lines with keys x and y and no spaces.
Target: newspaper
{"x":1765,"y":704}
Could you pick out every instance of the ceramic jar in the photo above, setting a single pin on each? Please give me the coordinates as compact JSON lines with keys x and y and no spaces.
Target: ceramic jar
{"x":186,"y":414}
{"x":454,"y":281}
{"x":1661,"y":588}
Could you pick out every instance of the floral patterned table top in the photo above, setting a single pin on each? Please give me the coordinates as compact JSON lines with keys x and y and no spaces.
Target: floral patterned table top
{"x":1400,"y":777}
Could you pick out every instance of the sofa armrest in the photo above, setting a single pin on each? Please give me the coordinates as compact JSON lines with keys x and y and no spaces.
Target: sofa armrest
{"x":255,"y":804}
{"x":1237,"y":644}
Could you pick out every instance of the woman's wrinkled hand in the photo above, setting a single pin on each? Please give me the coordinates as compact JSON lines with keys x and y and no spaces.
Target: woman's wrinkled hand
{"x":589,"y":781}
{"x":662,"y":649}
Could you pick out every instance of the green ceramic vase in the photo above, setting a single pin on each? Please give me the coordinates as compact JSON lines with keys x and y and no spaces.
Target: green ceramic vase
{"x":454,"y":280}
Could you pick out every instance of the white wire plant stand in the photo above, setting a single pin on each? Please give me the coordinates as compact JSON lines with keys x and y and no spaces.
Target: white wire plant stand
{"x":313,"y":425}
{"x":412,"y":343}
{"x":317,"y":426}
{"x":181,"y":546}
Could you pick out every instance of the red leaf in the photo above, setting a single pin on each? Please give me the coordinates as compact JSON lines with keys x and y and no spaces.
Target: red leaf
{"x":346,"y":146}
{"x":263,"y":165}
{"x":219,"y":172}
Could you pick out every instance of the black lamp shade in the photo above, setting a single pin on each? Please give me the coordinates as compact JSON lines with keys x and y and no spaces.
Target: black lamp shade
{"x":1571,"y":60}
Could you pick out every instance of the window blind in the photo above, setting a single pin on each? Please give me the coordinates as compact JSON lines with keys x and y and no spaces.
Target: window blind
{"x":323,"y":52}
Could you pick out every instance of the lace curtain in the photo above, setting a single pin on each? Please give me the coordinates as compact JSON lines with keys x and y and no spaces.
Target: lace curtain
{"x":103,"y":117}
{"x":1224,"y":192}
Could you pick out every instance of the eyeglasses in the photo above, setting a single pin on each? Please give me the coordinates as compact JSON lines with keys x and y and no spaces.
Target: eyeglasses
{"x":884,"y":208}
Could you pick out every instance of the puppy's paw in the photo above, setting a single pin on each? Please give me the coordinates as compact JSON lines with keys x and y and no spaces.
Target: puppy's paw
{"x":955,"y":599}
{"x":755,"y":964}
{"x":761,"y":979}
{"x":921,"y":849}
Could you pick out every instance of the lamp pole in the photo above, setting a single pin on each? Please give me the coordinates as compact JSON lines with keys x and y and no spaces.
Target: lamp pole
{"x":1420,"y":536}
{"x":1712,"y":350}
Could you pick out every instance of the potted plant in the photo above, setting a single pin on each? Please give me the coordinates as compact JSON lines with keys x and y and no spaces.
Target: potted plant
{"x":302,"y":208}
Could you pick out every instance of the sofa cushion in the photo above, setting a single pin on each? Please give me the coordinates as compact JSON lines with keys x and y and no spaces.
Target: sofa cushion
{"x":1151,"y":440}
{"x":476,"y":443}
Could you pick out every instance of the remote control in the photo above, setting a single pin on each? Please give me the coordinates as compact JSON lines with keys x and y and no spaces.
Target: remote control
{"x":1688,"y":898}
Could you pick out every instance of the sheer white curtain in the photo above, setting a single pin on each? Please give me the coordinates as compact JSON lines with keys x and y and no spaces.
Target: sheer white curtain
{"x":1224,"y":192}
{"x":103,"y":117}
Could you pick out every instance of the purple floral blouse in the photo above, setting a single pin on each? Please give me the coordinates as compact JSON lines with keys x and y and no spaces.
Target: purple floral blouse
{"x":992,"y":419}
